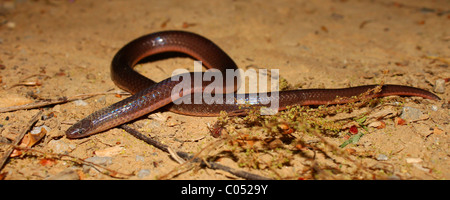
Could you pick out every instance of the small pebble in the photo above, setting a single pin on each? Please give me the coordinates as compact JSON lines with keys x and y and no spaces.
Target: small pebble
{"x":394,"y":177}
{"x":37,"y":130}
{"x":100,"y":160}
{"x":410,"y":113}
{"x":439,"y":86}
{"x":67,"y":174}
{"x":80,"y":103}
{"x":140,"y":158}
{"x":434,"y":108}
{"x":104,"y":161}
{"x":11,"y":25}
{"x":8,"y":5}
{"x":90,"y":76}
{"x":143,"y":173}
{"x":382,"y":157}
{"x":154,"y":124}
{"x":60,"y":147}
{"x":57,"y":108}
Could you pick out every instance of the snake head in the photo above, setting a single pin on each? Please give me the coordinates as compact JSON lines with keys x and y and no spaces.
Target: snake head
{"x":79,"y":129}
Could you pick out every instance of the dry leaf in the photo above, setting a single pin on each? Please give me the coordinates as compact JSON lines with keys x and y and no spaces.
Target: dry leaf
{"x":110,"y":151}
{"x":286,"y":129}
{"x":377,"y":124}
{"x":47,"y":162}
{"x":36,"y":134}
{"x":299,"y":147}
{"x":172,"y":124}
{"x":159,"y":117}
{"x":351,"y":151}
{"x":275,"y":144}
{"x":413,"y":160}
{"x":353,"y":130}
{"x":23,"y":143}
{"x":399,"y":121}
{"x":30,"y":139}
{"x":15,"y":153}
{"x":437,"y":131}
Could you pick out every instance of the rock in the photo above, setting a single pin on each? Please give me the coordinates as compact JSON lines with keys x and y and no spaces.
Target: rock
{"x":67,"y":174}
{"x":104,"y":161}
{"x":140,"y":158}
{"x":143,"y":173}
{"x":382,"y":157}
{"x":439,"y":86}
{"x":60,"y":147}
{"x":11,"y":25}
{"x":80,"y":103}
{"x":434,"y":108}
{"x":394,"y":177}
{"x":37,"y":130}
{"x":90,"y":76}
{"x":410,"y":113}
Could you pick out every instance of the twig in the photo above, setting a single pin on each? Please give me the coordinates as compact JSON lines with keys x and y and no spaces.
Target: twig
{"x":19,"y":138}
{"x":344,"y":154}
{"x":175,"y":156}
{"x":47,"y":102}
{"x":190,"y":157}
{"x":109,"y":172}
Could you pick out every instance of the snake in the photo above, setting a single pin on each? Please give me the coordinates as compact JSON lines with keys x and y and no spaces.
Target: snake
{"x":148,"y":96}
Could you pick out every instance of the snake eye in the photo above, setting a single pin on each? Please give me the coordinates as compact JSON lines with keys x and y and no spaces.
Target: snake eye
{"x":80,"y":129}
{"x":74,"y":132}
{"x":77,"y":130}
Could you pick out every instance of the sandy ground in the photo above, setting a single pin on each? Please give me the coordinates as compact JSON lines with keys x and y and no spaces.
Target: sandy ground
{"x":51,"y":49}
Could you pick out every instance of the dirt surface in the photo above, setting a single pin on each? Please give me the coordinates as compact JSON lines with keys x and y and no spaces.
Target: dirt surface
{"x":52,"y":49}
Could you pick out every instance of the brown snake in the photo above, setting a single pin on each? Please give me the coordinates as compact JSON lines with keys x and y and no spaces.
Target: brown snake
{"x":149,"y":96}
